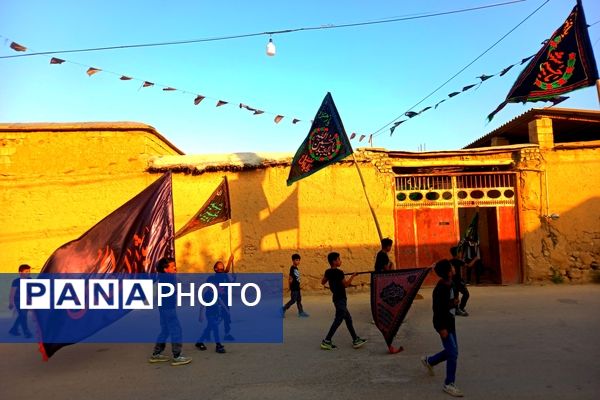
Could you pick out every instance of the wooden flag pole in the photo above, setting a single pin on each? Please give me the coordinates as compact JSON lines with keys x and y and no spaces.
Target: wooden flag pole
{"x":362,"y":180}
{"x":598,"y":89}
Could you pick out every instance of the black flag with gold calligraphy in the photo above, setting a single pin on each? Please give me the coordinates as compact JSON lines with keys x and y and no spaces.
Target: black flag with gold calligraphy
{"x":325,"y":144}
{"x":565,"y":63}
{"x":392,"y":294}
{"x":216,"y":209}
{"x":130,"y":240}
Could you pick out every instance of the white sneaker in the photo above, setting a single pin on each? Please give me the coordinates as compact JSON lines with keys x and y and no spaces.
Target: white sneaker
{"x":156,"y":358}
{"x":427,"y":365}
{"x":181,"y":360}
{"x":453,"y":390}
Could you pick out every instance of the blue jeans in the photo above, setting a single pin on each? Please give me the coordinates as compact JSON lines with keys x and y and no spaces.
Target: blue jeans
{"x":449,"y":354}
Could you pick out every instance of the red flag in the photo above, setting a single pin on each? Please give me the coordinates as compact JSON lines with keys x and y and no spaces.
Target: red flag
{"x":221,"y":103}
{"x":392,"y":294}
{"x":147,"y":84}
{"x":55,"y":60}
{"x":17,"y":47}
{"x":216,"y":209}
{"x":125,"y":78}
{"x":129,"y":240}
{"x":278,"y":118}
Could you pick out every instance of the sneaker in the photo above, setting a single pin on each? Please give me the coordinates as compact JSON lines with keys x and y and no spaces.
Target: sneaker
{"x":220,"y":348}
{"x":181,"y":360}
{"x":303,"y":315}
{"x":427,"y":365}
{"x":462,"y":313}
{"x":229,"y":337}
{"x":358,"y":342}
{"x":453,"y":390}
{"x":156,"y":358}
{"x":327,"y":345}
{"x":200,"y":346}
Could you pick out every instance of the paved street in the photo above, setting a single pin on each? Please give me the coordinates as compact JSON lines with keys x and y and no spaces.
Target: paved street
{"x":520,"y":342}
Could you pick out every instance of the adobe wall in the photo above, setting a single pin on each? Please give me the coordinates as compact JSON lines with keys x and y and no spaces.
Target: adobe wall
{"x":58,"y":180}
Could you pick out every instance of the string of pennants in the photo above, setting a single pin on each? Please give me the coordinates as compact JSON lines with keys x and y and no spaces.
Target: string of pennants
{"x":255,"y":111}
{"x":197,"y":99}
{"x":482,"y":78}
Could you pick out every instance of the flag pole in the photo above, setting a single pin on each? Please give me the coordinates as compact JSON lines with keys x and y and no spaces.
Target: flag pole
{"x":598,"y":89}
{"x":362,"y":180}
{"x":230,"y":250}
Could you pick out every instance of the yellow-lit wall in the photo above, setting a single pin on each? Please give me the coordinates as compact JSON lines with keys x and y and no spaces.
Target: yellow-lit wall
{"x":568,"y":184}
{"x":56,"y":182}
{"x":270,"y":221}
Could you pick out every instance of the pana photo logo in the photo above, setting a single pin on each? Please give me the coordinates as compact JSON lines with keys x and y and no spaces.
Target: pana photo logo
{"x":130,"y":294}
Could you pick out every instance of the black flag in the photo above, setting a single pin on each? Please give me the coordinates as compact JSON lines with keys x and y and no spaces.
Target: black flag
{"x":565,"y":63}
{"x":130,"y":240}
{"x":325,"y":144}
{"x":392,"y":294}
{"x":214,"y":210}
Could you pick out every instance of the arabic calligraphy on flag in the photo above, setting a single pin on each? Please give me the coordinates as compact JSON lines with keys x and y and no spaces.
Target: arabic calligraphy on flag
{"x":216,"y":209}
{"x":325,"y":144}
{"x":392,"y":294}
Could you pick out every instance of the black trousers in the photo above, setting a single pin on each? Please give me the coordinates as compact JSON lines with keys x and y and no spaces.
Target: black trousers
{"x":296,"y":298}
{"x":478,"y":267}
{"x":21,"y":321}
{"x":462,"y":289}
{"x":341,"y":314}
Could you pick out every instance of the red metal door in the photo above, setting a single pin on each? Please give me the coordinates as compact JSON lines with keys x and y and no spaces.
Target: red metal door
{"x":510,"y":261}
{"x":424,"y":236}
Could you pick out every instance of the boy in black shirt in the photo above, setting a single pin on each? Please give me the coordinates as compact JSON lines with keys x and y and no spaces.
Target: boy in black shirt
{"x":337,"y":285}
{"x":169,"y":323}
{"x":294,"y":281}
{"x":459,"y":266}
{"x":382,"y":261}
{"x":14,"y":302}
{"x":444,"y":304}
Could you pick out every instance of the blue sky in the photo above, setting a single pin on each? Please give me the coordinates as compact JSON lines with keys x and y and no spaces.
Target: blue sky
{"x":374,"y":72}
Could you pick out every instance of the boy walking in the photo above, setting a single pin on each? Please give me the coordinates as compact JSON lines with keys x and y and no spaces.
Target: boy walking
{"x":14,"y":302}
{"x":444,"y":304}
{"x":382,"y":260}
{"x":169,"y":323}
{"x":294,"y":282}
{"x":337,"y":285}
{"x":459,"y":266}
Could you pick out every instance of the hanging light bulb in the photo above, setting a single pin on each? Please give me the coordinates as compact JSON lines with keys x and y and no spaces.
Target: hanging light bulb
{"x":270,"y":48}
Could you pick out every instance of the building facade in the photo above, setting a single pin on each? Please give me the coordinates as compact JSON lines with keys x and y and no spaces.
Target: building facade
{"x":535,"y":183}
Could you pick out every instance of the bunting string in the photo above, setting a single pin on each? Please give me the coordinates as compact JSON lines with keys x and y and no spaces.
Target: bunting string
{"x":198,"y":98}
{"x":381,"y":130}
{"x":482,"y":78}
